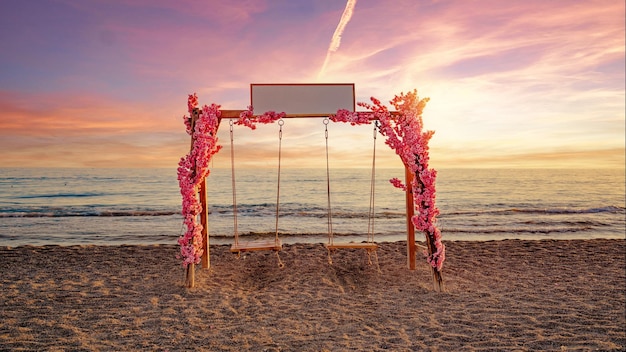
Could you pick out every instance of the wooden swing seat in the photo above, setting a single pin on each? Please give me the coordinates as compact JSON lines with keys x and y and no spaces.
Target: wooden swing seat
{"x":369,"y":246}
{"x":257,"y":245}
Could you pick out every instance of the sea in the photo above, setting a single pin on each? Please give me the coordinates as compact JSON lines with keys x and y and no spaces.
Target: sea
{"x":65,"y":206}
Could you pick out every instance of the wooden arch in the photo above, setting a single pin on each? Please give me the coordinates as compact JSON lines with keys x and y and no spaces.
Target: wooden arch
{"x":315,"y":98}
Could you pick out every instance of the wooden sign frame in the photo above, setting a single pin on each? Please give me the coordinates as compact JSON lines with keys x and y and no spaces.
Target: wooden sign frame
{"x":303,"y":100}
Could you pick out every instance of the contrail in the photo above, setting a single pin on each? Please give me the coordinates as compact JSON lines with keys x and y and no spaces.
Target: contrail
{"x":336,"y":40}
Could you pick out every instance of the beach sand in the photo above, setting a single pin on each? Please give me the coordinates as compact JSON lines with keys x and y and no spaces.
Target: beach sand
{"x":506,"y":295}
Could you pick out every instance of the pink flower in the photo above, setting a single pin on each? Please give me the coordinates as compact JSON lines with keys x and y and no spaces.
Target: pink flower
{"x":247,"y":118}
{"x":397,"y":183}
{"x":354,"y":118}
{"x":192,"y":102}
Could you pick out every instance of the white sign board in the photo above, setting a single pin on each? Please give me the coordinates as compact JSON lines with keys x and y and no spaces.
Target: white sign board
{"x":302,"y":99}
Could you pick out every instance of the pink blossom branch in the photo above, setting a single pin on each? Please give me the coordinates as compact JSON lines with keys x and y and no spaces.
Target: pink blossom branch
{"x":247,"y":118}
{"x":192,"y":170}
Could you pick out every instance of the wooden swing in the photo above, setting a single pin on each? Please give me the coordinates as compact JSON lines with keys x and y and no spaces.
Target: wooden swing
{"x":308,"y":101}
{"x":262,"y":244}
{"x":370,"y":246}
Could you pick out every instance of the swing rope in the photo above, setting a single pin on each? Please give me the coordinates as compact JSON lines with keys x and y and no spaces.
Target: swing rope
{"x":371,"y":210}
{"x":233,"y":183}
{"x":254,"y":245}
{"x":280,"y":139}
{"x":329,"y":217}
{"x":371,"y":214}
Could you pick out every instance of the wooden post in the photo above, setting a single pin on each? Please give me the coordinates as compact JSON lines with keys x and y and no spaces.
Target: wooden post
{"x":204,"y":219}
{"x":411,"y":245}
{"x":437,"y":277}
{"x":438,"y":280}
{"x":410,"y":229}
{"x":190,"y":280}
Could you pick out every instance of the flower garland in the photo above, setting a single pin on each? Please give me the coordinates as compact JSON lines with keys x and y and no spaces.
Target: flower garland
{"x":247,"y":118}
{"x":405,"y":135}
{"x":192,"y":170}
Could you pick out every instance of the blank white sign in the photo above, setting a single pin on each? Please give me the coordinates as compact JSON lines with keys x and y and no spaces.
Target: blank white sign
{"x":302,"y":99}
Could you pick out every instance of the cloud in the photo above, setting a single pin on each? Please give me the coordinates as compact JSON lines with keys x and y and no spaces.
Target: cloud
{"x":335,"y":42}
{"x":506,"y":80}
{"x":564,"y":158}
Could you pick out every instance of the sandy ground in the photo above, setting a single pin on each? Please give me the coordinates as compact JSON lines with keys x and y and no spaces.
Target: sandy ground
{"x":501,"y":295}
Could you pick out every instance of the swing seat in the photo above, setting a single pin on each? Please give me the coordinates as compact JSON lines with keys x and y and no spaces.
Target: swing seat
{"x":257,"y":245}
{"x":369,"y":246}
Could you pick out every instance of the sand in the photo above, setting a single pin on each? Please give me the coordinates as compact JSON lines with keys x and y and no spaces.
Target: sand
{"x":506,"y":295}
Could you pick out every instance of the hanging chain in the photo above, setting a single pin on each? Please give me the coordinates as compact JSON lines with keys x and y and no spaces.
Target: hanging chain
{"x":280,"y":139}
{"x":330,"y":221}
{"x":232,"y":170}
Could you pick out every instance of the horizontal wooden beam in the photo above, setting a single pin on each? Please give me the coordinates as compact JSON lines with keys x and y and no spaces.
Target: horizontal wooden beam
{"x":234,"y":114}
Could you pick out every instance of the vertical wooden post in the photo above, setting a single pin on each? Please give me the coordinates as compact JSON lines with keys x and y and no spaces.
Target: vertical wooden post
{"x":410,"y":229}
{"x":190,"y":279}
{"x":204,"y":219}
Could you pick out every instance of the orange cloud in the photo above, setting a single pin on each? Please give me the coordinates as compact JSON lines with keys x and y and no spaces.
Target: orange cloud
{"x":611,"y":158}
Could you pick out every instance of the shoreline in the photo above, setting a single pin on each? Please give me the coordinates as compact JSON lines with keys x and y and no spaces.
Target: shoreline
{"x":320,"y":239}
{"x":504,"y":294}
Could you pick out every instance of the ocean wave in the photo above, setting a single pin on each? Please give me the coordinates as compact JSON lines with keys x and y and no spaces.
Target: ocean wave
{"x":269,"y":210}
{"x":529,"y":230}
{"x":310,"y":212}
{"x":63,"y":195}
{"x":223,"y":214}
{"x":65,"y":213}
{"x":607,"y":209}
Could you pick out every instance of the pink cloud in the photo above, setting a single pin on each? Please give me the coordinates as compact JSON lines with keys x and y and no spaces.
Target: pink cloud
{"x":501,"y":75}
{"x":74,"y":114}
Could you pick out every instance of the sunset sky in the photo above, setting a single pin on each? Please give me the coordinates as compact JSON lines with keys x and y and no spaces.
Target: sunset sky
{"x":104,"y":83}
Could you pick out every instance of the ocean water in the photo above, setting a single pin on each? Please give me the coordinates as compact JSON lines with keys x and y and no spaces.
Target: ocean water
{"x":142,"y":206}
